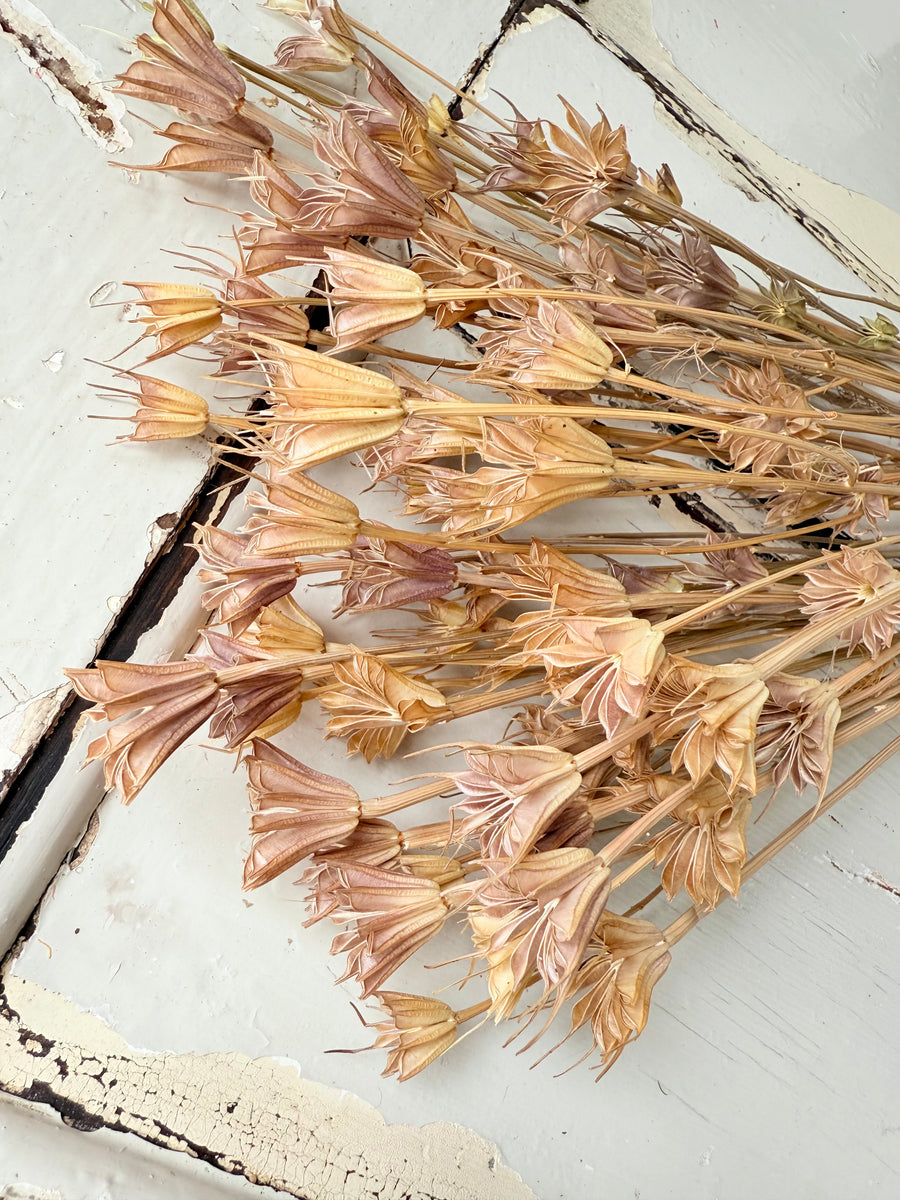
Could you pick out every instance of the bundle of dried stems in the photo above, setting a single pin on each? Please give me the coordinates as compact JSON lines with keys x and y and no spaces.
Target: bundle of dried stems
{"x":624,"y":348}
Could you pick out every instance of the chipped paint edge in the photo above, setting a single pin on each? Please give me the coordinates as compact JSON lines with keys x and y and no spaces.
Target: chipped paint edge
{"x":253,"y":1117}
{"x":862,"y":233}
{"x":73,"y":80}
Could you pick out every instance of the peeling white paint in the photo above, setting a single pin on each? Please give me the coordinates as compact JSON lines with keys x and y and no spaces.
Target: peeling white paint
{"x":72,"y":79}
{"x":256,"y":1117}
{"x":864,"y":232}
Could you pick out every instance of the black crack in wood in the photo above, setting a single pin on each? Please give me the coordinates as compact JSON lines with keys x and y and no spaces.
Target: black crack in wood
{"x":486,"y":55}
{"x":516,"y":14}
{"x":847,"y":253}
{"x":90,"y":102}
{"x":154,"y":591}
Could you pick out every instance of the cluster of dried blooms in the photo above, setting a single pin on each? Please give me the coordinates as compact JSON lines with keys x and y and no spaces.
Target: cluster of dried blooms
{"x":661,"y":684}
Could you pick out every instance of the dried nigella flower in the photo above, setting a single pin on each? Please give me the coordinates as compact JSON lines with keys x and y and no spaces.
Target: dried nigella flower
{"x":415,"y":1031}
{"x":391,"y":914}
{"x":327,"y":408}
{"x":713,"y":711}
{"x":167,"y":703}
{"x":327,"y":42}
{"x":384,"y":574}
{"x":704,"y":848}
{"x":795,"y":732}
{"x":855,"y":578}
{"x":374,"y":706}
{"x":179,"y":314}
{"x":692,"y":273}
{"x":300,"y":517}
{"x":243,"y":583}
{"x":164,"y":410}
{"x":552,"y":349}
{"x":606,"y":666}
{"x":537,"y":916}
{"x":613,"y":986}
{"x":511,"y":795}
{"x":296,"y":812}
{"x":373,"y":297}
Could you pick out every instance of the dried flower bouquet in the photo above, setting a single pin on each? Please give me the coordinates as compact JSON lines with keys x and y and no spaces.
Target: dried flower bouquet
{"x":614,"y":349}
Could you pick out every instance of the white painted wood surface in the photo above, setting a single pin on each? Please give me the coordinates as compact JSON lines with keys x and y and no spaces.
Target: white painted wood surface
{"x":770,"y":1063}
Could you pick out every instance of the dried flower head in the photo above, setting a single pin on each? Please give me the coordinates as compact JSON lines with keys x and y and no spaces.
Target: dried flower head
{"x":164,"y":410}
{"x":795,"y":732}
{"x":300,"y":517}
{"x":296,"y":811}
{"x":691,"y":273}
{"x":325,"y":407}
{"x":242,"y":582}
{"x":178,"y":314}
{"x":167,"y":703}
{"x":613,"y":986}
{"x":714,"y":709}
{"x":852,"y":580}
{"x":392,"y":915}
{"x":511,"y":795}
{"x":553,"y":348}
{"x":537,"y":917}
{"x":415,"y":1031}
{"x":384,"y":574}
{"x":374,"y":706}
{"x":704,"y":849}
{"x":373,"y":297}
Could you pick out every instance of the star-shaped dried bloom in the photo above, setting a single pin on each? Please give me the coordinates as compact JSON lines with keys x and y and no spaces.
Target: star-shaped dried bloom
{"x":704,"y":849}
{"x":392,"y":915}
{"x":403,"y":126}
{"x":692,"y":273}
{"x":536,"y":917}
{"x":415,"y":1031}
{"x":228,"y":148}
{"x":373,"y":297}
{"x":725,"y":569}
{"x":550,"y":575}
{"x":583,"y":172}
{"x":795,"y":732}
{"x":325,"y":407}
{"x":766,"y":385}
{"x":368,"y":194}
{"x":511,"y":795}
{"x":549,"y":461}
{"x":167,"y":703}
{"x":259,"y":695}
{"x":714,"y":709}
{"x":552,"y":349}
{"x":178,"y":314}
{"x":614,"y":984}
{"x":851,"y":580}
{"x":299,"y":516}
{"x":606,"y":666}
{"x":283,"y":629}
{"x":860,"y":512}
{"x":374,"y":842}
{"x":384,"y":574}
{"x":599,"y":270}
{"x":326,"y":43}
{"x":164,"y":410}
{"x":242,"y":583}
{"x":296,"y":812}
{"x":182,"y":66}
{"x":374,"y":705}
